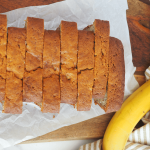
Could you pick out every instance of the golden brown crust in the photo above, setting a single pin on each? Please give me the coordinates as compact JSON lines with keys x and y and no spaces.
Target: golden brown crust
{"x":85,"y":83}
{"x":116,"y":79}
{"x":13,"y":99}
{"x":51,"y":94}
{"x":2,"y":89}
{"x":32,"y":86}
{"x":69,"y":42}
{"x":16,"y":51}
{"x":68,"y":83}
{"x":35,"y":36}
{"x":101,"y":58}
{"x":51,"y":53}
{"x":85,"y":50}
{"x":3,"y":42}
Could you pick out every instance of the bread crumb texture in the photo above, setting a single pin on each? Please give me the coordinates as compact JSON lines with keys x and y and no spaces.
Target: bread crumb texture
{"x":69,"y":42}
{"x":16,"y":51}
{"x":85,"y":70}
{"x":51,"y":53}
{"x":51,"y":94}
{"x":85,"y":83}
{"x":32,"y":86}
{"x":35,"y":35}
{"x":68,"y":76}
{"x":68,"y":82}
{"x":85,"y":50}
{"x":13,"y":99}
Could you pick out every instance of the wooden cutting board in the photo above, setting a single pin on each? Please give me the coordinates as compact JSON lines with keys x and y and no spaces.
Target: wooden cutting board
{"x":138,"y":17}
{"x":89,"y":129}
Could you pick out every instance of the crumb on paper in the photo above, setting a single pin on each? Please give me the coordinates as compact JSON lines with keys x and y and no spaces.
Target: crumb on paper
{"x":73,"y":105}
{"x":53,"y":116}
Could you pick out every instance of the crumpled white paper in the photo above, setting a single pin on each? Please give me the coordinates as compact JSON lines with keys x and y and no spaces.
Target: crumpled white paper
{"x":32,"y":123}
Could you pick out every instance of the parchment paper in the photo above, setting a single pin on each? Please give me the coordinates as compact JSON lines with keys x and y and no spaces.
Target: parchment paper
{"x":32,"y":123}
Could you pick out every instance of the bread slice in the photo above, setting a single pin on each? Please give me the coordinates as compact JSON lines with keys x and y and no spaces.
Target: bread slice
{"x":13,"y":99}
{"x":68,"y":77}
{"x":85,"y":70}
{"x":51,"y":72}
{"x":15,"y":70}
{"x":116,"y":78}
{"x":110,"y":97}
{"x":3,"y":60}
{"x":101,"y":30}
{"x":35,"y":36}
{"x":16,"y":51}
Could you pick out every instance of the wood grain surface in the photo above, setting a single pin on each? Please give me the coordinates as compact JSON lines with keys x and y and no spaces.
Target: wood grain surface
{"x":146,"y":2}
{"x":8,"y":5}
{"x":138,"y":17}
{"x":89,"y":129}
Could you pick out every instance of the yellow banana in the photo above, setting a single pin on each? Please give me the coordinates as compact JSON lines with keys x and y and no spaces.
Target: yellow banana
{"x":124,"y":120}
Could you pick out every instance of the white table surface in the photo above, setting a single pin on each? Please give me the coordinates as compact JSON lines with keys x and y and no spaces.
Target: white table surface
{"x":61,"y":145}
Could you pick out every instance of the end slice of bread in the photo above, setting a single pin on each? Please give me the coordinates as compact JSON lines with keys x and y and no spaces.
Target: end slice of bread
{"x":112,"y":98}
